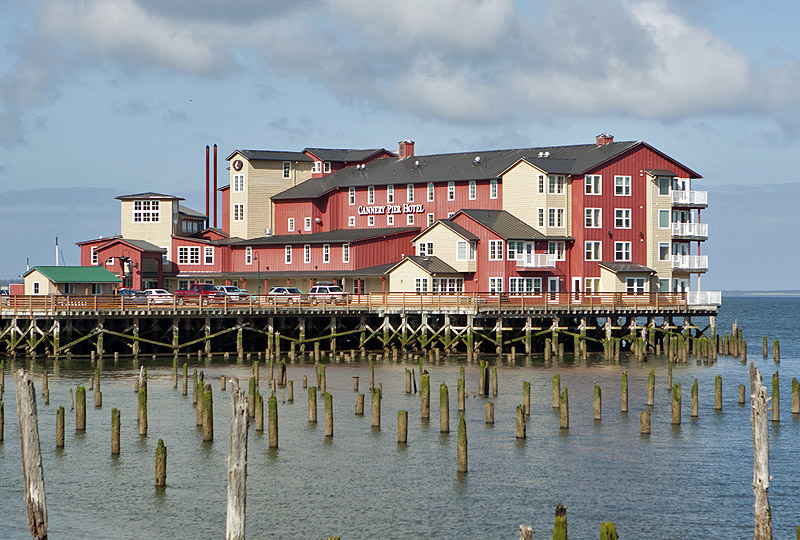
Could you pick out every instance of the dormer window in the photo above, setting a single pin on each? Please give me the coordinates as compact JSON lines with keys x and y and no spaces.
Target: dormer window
{"x":317,"y":167}
{"x":327,"y":167}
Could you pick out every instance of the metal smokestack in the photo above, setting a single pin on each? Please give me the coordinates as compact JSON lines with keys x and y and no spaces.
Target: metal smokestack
{"x":207,"y":181}
{"x":215,"y":185}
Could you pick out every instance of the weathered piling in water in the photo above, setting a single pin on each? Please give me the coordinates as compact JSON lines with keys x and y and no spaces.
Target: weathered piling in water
{"x":328,"y":415}
{"x":481,"y":370}
{"x":718,"y":392}
{"x":669,"y":375}
{"x":376,"y":408}
{"x":644,"y":422}
{"x":290,"y":385}
{"x":425,"y":391}
{"x":223,"y":382}
{"x":494,"y":380}
{"x":402,"y":427}
{"x":556,"y":391}
{"x":194,"y":387}
{"x":598,"y":402}
{"x":312,"y":403}
{"x":251,"y":397}
{"x":272,"y":408}
{"x":444,"y":409}
{"x":462,"y":391}
{"x":520,"y":422}
{"x":142,"y":411}
{"x":651,"y":387}
{"x":323,"y":384}
{"x":765,"y":346}
{"x":198,"y":408}
{"x":623,"y":396}
{"x":60,"y":427}
{"x":758,"y":415}
{"x":360,"y":405}
{"x":305,"y":381}
{"x":694,"y":399}
{"x":161,"y":464}
{"x":32,"y":471}
{"x":776,"y":398}
{"x":490,"y":412}
{"x":80,"y":409}
{"x":2,"y":420}
{"x":776,"y":351}
{"x":259,"y":412}
{"x":208,"y":414}
{"x":462,"y":445}
{"x":115,"y":431}
{"x":741,"y":394}
{"x":185,"y":379}
{"x":560,"y":523}
{"x":45,"y":387}
{"x":408,"y":381}
{"x":237,"y":467}
{"x":608,"y":531}
{"x":795,"y":396}
{"x":526,"y":398}
{"x":564,"y":409}
{"x":676,"y":404}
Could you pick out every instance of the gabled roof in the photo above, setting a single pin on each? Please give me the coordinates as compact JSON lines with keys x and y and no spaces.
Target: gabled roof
{"x":503,"y":223}
{"x":455,"y":227}
{"x":138,"y":245}
{"x":148,"y":195}
{"x":99,"y":240}
{"x":75,"y":274}
{"x":185,"y":210}
{"x":337,"y":236}
{"x":432,"y":265}
{"x":344,"y":155}
{"x":270,"y":155}
{"x":626,"y":267}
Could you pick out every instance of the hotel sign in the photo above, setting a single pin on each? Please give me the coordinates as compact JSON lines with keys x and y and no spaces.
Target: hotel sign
{"x":391,"y":209}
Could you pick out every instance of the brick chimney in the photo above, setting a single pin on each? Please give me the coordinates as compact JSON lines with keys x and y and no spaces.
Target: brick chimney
{"x":604,"y":138}
{"x":406,"y":149}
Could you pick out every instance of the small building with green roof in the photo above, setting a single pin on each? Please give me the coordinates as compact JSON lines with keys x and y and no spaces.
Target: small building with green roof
{"x":80,"y":280}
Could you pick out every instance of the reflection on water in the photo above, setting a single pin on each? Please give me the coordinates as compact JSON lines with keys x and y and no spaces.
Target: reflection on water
{"x":692,"y":481}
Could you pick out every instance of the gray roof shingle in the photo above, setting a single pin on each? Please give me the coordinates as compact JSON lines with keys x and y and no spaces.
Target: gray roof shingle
{"x":626,"y":267}
{"x":337,"y":236}
{"x":271,"y":155}
{"x":433,"y":265}
{"x":148,"y":195}
{"x":345,"y":155}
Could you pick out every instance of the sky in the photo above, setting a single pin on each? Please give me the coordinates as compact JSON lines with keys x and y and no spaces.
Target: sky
{"x":100,"y":98}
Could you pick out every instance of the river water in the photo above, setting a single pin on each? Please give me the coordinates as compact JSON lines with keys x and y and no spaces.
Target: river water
{"x":691,"y":481}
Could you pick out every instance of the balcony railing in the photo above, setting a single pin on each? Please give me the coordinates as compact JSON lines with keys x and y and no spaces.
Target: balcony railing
{"x":696,"y":230}
{"x":690,"y":262}
{"x":537,"y":260}
{"x":693,"y":198}
{"x":704,"y":298}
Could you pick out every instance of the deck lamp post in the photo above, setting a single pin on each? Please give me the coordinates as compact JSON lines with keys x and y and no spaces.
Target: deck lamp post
{"x":258,"y":270}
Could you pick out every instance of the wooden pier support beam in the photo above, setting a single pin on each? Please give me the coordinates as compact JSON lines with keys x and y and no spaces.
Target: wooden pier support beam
{"x":161,"y":464}
{"x":32,"y":471}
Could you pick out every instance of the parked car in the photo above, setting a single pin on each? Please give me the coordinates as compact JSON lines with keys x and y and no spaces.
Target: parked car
{"x":132,"y":295}
{"x":204,"y":291}
{"x":327,"y":291}
{"x":233,"y":293}
{"x":3,"y":292}
{"x":285,"y":294}
{"x":158,"y":296}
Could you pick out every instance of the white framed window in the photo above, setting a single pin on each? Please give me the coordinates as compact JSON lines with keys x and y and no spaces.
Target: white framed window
{"x":425,"y":249}
{"x":248,"y":255}
{"x":390,"y":193}
{"x":555,"y":217}
{"x":307,"y":224}
{"x":663,"y":251}
{"x":110,"y":261}
{"x":593,"y":218}
{"x":664,"y":185}
{"x":555,"y":184}
{"x":495,"y":285}
{"x":493,"y":188}
{"x":358,"y":286}
{"x":238,"y":183}
{"x":495,"y":250}
{"x":287,"y":169}
{"x":370,"y":221}
{"x":663,"y":285}
{"x":622,"y":218}
{"x":326,"y":253}
{"x":634,"y":285}
{"x":345,"y":253}
{"x":307,"y":253}
{"x":473,"y":190}
{"x":238,"y":212}
{"x":409,"y":219}
{"x":540,"y":219}
{"x":96,"y":288}
{"x":431,"y":219}
{"x":465,"y":251}
{"x":593,"y":184}
{"x":371,"y":195}
{"x":208,"y":255}
{"x":146,"y":212}
{"x":663,"y":219}
{"x":431,"y":191}
{"x":541,"y":183}
{"x":290,"y":224}
{"x":556,"y":247}
{"x":516,"y":250}
{"x":94,"y":255}
{"x":189,"y":254}
{"x":593,"y":250}
{"x":521,"y":285}
{"x":351,"y":200}
{"x":622,"y":186}
{"x":409,"y":192}
{"x":451,"y":191}
{"x":36,"y":287}
{"x":288,"y":254}
{"x":317,"y":167}
{"x":622,"y":251}
{"x":327,"y":167}
{"x":421,"y":284}
{"x":351,"y":221}
{"x":390,"y":219}
{"x":450,"y":214}
{"x":591,"y":286}
{"x":448,"y":285}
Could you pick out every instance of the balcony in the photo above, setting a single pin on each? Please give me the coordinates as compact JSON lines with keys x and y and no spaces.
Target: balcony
{"x":537,"y":260}
{"x":689,"y":198}
{"x":690,"y":230}
{"x":691,"y":263}
{"x":704,"y":298}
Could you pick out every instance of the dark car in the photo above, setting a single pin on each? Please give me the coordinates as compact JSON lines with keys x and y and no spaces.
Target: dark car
{"x":132,"y":295}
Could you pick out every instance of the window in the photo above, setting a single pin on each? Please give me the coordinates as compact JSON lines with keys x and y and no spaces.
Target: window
{"x":345,"y":253}
{"x":189,"y":255}
{"x":593,"y":218}
{"x":94,"y":255}
{"x":450,"y":214}
{"x":351,"y":221}
{"x":390,"y":219}
{"x":420,"y":285}
{"x":663,"y":285}
{"x":493,"y":189}
{"x":465,"y":250}
{"x":69,"y":288}
{"x":541,"y":217}
{"x":35,"y":287}
{"x":592,"y":286}
{"x":473,"y":247}
{"x":634,"y":285}
{"x":663,"y":219}
{"x":327,"y":167}
{"x":622,"y":251}
{"x":358,"y":286}
{"x":473,"y":190}
{"x":663,"y":251}
{"x":593,"y":251}
{"x":447,"y":285}
{"x":622,"y":218}
{"x":592,"y":184}
{"x":431,"y":219}
{"x":287,"y":169}
{"x":183,"y":284}
{"x":451,"y":191}
{"x":307,"y":224}
{"x":238,"y":183}
{"x":208,"y":255}
{"x":622,"y":186}
{"x":555,"y":184}
{"x":409,"y":192}
{"x":409,"y":219}
{"x":288,"y":253}
{"x":290,"y":225}
{"x":317,"y":167}
{"x":516,"y":250}
{"x":238,"y":212}
{"x":371,"y":195}
{"x":352,"y":196}
{"x":556,"y":247}
{"x":371,"y":221}
{"x":664,"y":183}
{"x":541,"y":183}
{"x":495,"y":285}
{"x":517,"y":285}
{"x":390,"y":193}
{"x":555,"y":217}
{"x":495,"y":250}
{"x":326,"y":253}
{"x":431,"y":191}
{"x":110,"y":261}
{"x":425,"y":249}
{"x":307,"y":253}
{"x":248,"y":255}
{"x":146,"y":211}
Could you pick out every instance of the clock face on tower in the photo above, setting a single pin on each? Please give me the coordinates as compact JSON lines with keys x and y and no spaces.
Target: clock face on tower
{"x":237,"y":165}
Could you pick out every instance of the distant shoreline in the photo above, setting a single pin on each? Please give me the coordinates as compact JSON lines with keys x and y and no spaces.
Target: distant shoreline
{"x":761,"y":293}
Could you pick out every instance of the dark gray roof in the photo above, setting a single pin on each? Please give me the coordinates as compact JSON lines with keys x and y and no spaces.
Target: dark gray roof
{"x":271,"y":155}
{"x":185,"y":210}
{"x":148,"y":195}
{"x":362,"y":272}
{"x":141,"y":244}
{"x":332,"y":237}
{"x":504,"y":224}
{"x":344,"y":155}
{"x":455,"y":227}
{"x":432,"y":265}
{"x":660,"y":172}
{"x":463,"y":166}
{"x":626,"y":267}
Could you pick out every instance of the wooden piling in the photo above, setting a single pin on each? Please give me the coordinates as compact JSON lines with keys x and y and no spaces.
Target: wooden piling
{"x":444,"y":409}
{"x":718,"y":392}
{"x":60,"y":427}
{"x":608,"y":531}
{"x":323,"y":384}
{"x":355,"y":384}
{"x":360,"y":405}
{"x":223,"y":383}
{"x":376,"y":408}
{"x":45,"y":387}
{"x":80,"y":409}
{"x":520,"y":422}
{"x":208,"y":414}
{"x":490,"y":412}
{"x":758,"y":412}
{"x":2,"y":420}
{"x":462,"y":445}
{"x":272,"y":408}
{"x":408,"y":381}
{"x":142,"y":411}
{"x":194,"y":387}
{"x":598,"y":402}
{"x":776,"y":398}
{"x":251,"y":397}
{"x":237,"y":467}
{"x":185,"y":379}
{"x":494,"y":380}
{"x":556,"y":391}
{"x":174,"y":370}
{"x":425,"y":392}
{"x":526,"y":398}
{"x":402,"y":427}
{"x":328,"y":415}
{"x":651,"y":387}
{"x":462,"y":392}
{"x":741,"y":394}
{"x":290,"y":385}
{"x":765,"y":346}
{"x":259,"y":412}
{"x":676,"y":404}
{"x":560,"y":523}
{"x":694,"y":399}
{"x":776,"y":351}
{"x":623,"y":396}
{"x":115,"y":432}
{"x":564,"y":409}
{"x":161,"y":464}
{"x":795,"y":396}
{"x":312,"y":403}
{"x":644,"y":422}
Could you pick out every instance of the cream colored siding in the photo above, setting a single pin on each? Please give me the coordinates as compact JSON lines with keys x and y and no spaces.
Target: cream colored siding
{"x":401,"y":279}
{"x":45,"y":285}
{"x":656,"y":235}
{"x":445,"y":246}
{"x":158,"y":233}
{"x":618,"y":283}
{"x":521,"y":198}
